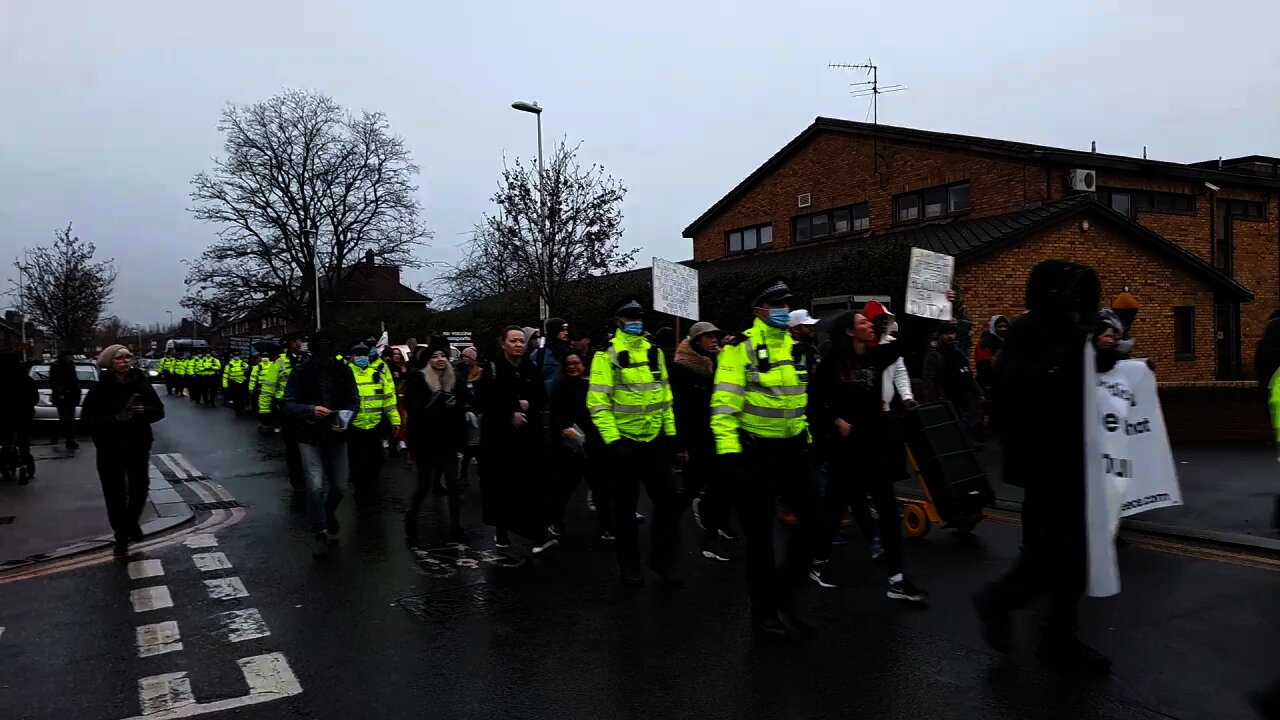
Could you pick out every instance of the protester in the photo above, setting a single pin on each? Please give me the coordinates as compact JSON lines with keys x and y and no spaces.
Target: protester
{"x":532,"y":339}
{"x":435,"y":400}
{"x":803,"y":328}
{"x":119,"y":410}
{"x":549,"y":357}
{"x":320,"y":399}
{"x":513,"y":486}
{"x":364,"y":436}
{"x":630,"y":403}
{"x":861,"y":443}
{"x":64,"y":388}
{"x":470,"y":372}
{"x":272,"y":382}
{"x":946,"y":376}
{"x":17,"y":409}
{"x":1042,"y":396}
{"x":578,"y":451}
{"x":1107,"y":334}
{"x":704,"y":487}
{"x":989,"y":346}
{"x":761,"y":432}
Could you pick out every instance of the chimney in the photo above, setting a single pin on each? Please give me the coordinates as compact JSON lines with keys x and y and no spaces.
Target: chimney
{"x":1093,"y":146}
{"x":368,"y":257}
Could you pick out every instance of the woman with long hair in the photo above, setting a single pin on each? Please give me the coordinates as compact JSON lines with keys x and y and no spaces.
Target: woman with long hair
{"x":436,"y":405}
{"x":511,"y":397}
{"x":848,"y":388}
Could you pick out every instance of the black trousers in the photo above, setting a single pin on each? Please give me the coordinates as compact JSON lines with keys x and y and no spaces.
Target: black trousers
{"x":859,"y":468}
{"x":124,"y":474}
{"x":569,"y":470}
{"x":364,"y":458}
{"x":293,"y":458}
{"x":434,"y":464}
{"x":645,"y":463}
{"x":1053,"y":558}
{"x":211,"y":383}
{"x":702,"y":472}
{"x":66,"y":428}
{"x":774,"y":469}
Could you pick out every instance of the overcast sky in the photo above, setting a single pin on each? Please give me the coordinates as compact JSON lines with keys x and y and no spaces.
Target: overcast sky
{"x":107,"y":109}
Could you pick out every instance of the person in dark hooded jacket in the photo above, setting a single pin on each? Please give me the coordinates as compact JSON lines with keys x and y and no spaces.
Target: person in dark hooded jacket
{"x":435,"y":399}
{"x":989,"y":346}
{"x":550,"y":356}
{"x":1042,"y":398}
{"x":17,"y":408}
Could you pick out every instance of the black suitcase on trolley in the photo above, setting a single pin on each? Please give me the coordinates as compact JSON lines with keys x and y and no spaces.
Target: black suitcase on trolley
{"x":954,"y":479}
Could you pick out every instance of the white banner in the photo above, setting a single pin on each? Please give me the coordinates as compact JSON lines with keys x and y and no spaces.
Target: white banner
{"x":1130,"y":461}
{"x":928,"y":280}
{"x":675,"y":289}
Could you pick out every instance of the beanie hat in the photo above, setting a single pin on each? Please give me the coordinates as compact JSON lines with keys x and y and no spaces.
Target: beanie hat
{"x":699,"y":329}
{"x":469,"y":353}
{"x":106,"y":356}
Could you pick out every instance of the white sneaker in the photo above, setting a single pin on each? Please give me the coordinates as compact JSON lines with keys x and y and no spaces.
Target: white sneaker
{"x":548,"y":545}
{"x":713,"y":556}
{"x":815,"y":575}
{"x":606,"y":535}
{"x":591,"y":502}
{"x":697,"y":516}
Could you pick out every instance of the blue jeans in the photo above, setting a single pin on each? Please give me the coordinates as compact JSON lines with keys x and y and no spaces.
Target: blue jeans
{"x":325,"y":467}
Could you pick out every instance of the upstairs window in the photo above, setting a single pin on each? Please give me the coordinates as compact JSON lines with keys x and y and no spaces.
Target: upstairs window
{"x":830,"y":223}
{"x":1130,"y":202}
{"x":748,"y":239}
{"x":932,"y":202}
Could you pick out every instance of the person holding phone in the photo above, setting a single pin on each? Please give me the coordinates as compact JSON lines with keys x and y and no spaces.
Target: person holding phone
{"x":119,"y":410}
{"x":320,"y":398}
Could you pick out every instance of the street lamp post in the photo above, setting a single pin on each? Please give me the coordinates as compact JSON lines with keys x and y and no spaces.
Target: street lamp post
{"x":544,"y":308}
{"x":315,"y":266}
{"x":22,"y":304}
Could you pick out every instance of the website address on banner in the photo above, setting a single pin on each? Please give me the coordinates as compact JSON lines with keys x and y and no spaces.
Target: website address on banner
{"x":1144,"y":501}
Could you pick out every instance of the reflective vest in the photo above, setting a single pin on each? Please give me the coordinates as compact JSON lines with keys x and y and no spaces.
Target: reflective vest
{"x":188,"y":366}
{"x":377,"y":398}
{"x":757,"y":390}
{"x":629,"y":395}
{"x":253,"y":374}
{"x":271,"y":383}
{"x":286,"y":368}
{"x":233,"y":372}
{"x":1273,"y":399}
{"x":212,"y":366}
{"x":164,"y":365}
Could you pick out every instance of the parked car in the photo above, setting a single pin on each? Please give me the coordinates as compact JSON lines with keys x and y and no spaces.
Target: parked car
{"x":151,"y":367}
{"x":87,"y":373}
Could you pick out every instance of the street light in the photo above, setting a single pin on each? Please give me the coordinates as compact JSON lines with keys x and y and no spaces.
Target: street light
{"x":544,"y":308}
{"x":315,"y":267}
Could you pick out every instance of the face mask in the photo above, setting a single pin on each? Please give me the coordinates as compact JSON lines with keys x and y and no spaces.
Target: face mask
{"x":373,"y":353}
{"x":305,"y":347}
{"x":779,"y":318}
{"x":362,"y":362}
{"x":634,"y":327}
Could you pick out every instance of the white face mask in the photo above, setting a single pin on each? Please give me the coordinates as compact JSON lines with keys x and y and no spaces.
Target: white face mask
{"x":305,"y":347}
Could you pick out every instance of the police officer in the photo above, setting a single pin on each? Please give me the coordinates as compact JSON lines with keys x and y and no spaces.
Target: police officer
{"x":377,"y":402}
{"x":761,"y":430}
{"x":630,"y":403}
{"x":233,"y":382}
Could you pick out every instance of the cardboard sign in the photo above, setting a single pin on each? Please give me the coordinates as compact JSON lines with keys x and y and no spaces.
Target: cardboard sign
{"x":675,"y":289}
{"x":928,"y":280}
{"x":1129,"y":460}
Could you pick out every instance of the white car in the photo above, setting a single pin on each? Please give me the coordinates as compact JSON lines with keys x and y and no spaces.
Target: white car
{"x":86,"y":373}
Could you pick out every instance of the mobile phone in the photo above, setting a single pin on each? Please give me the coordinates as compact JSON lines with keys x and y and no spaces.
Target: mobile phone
{"x":134,"y":399}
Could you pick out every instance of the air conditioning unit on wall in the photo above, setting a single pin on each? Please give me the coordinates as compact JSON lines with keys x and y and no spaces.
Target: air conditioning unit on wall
{"x":804,"y":200}
{"x":1084,"y":180}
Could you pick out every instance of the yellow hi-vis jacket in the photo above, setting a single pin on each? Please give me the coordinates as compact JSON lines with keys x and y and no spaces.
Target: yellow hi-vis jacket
{"x":271,"y":380}
{"x":377,"y":398}
{"x":256,"y":371}
{"x":630,"y":392}
{"x":758,"y":389}
{"x":233,"y":372}
{"x":1273,"y":399}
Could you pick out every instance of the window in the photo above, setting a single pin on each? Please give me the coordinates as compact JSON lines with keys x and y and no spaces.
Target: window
{"x":1243,"y":209}
{"x":932,"y":202}
{"x":1184,"y":333}
{"x":1122,"y":202}
{"x":747,"y":239}
{"x":1131,"y":202}
{"x":831,"y":223}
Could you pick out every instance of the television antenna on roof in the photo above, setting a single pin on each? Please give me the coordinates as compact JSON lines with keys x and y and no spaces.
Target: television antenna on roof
{"x":870,"y":87}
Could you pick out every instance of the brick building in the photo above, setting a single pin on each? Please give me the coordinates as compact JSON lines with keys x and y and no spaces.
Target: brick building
{"x":1198,"y":245}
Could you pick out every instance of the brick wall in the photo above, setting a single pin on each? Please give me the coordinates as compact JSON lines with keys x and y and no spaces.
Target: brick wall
{"x":1257,"y":265}
{"x":838,"y":170}
{"x":996,"y":285}
{"x":1215,"y":412}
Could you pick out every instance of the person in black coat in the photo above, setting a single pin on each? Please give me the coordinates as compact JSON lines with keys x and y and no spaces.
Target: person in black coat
{"x":1041,"y":396}
{"x":17,"y":409}
{"x":577,"y":450}
{"x":315,"y":395}
{"x":511,"y":397}
{"x":119,"y":410}
{"x":64,"y":388}
{"x":435,"y":402}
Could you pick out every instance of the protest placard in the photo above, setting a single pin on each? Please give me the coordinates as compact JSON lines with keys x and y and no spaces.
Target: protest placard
{"x":928,"y":280}
{"x":675,"y":289}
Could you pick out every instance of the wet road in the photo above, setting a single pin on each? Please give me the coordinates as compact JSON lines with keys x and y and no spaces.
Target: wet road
{"x":250,"y":626}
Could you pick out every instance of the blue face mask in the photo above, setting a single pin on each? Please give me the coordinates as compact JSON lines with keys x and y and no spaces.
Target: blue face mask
{"x":779,"y":318}
{"x":362,"y":362}
{"x":633,"y":327}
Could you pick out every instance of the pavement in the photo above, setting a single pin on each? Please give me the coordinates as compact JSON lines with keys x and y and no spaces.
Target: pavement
{"x":61,"y":512}
{"x":229,"y":616}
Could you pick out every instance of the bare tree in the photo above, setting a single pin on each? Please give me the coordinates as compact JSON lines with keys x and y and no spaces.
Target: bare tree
{"x":299,"y":161}
{"x":66,"y":291}
{"x":518,"y":250}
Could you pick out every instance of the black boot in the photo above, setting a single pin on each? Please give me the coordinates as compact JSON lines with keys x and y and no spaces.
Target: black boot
{"x":1066,"y":653}
{"x":993,"y":622}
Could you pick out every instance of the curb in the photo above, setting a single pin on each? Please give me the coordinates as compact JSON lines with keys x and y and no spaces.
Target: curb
{"x":169,"y":516}
{"x":1238,"y":540}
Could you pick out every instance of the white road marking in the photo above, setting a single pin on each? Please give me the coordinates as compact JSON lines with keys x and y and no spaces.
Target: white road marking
{"x":201,"y":489}
{"x":177,"y":471}
{"x":228,"y":588}
{"x":158,"y":639}
{"x":1,"y":632}
{"x":201,"y":540}
{"x":206,"y":562}
{"x":191,"y":469}
{"x":150,"y":598}
{"x":164,"y":693}
{"x":269,"y":678}
{"x":240,"y":625}
{"x":139,"y":569}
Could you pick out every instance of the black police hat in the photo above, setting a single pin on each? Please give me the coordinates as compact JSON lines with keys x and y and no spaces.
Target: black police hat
{"x":630,"y":307}
{"x":775,"y":289}
{"x":295,"y":335}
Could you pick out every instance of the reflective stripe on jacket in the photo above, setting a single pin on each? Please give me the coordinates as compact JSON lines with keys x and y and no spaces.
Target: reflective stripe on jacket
{"x":377,"y":398}
{"x":270,"y":385}
{"x":630,"y":393}
{"x":253,"y":375}
{"x":758,"y":390}
{"x":233,"y":372}
{"x":286,"y":367}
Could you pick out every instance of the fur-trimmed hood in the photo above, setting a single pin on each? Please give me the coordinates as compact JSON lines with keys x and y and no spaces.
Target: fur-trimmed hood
{"x":694,"y":361}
